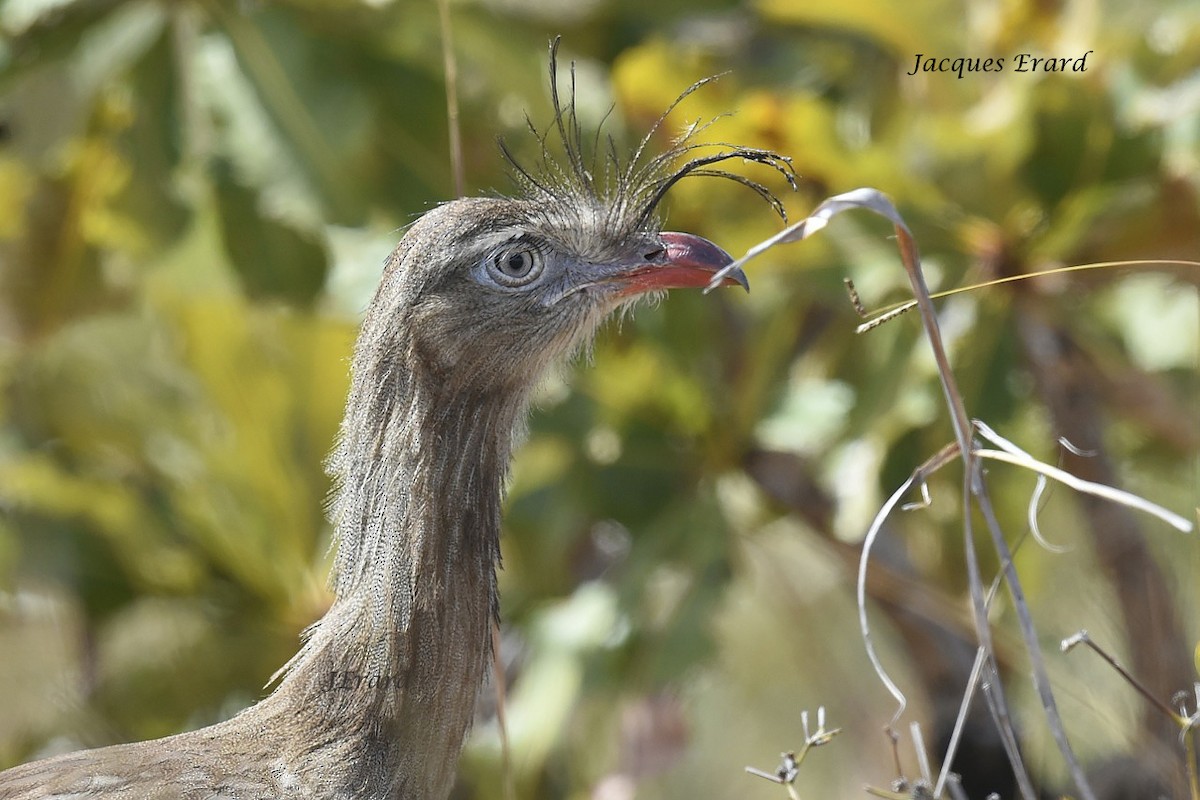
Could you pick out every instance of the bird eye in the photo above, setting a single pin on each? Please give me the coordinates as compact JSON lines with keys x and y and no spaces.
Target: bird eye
{"x":516,"y":265}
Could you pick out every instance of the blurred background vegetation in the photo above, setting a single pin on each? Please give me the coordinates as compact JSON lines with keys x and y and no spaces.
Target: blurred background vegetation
{"x":196,"y":198}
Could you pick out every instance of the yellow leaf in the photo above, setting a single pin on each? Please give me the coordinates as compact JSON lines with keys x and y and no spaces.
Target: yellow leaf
{"x":16,"y":185}
{"x":934,"y":28}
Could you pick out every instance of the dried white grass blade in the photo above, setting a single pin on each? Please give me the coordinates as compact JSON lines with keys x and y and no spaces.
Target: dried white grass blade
{"x":914,"y":729}
{"x":755,"y":771}
{"x":1079,"y":451}
{"x":1038,"y":490}
{"x":1015,"y":455}
{"x":1088,"y":487}
{"x":865,"y":198}
{"x":986,"y":432}
{"x":864,"y":625}
{"x":960,"y":721}
{"x":1035,"y":528}
{"x":920,"y":478}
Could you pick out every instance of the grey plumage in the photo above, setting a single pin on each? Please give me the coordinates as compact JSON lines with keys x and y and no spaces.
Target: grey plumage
{"x":478,"y":299}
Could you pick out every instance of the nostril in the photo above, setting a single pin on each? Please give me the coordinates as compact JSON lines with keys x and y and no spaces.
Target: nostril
{"x":655,"y":254}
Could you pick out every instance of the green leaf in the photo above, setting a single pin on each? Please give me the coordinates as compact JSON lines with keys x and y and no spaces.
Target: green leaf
{"x":274,"y":258}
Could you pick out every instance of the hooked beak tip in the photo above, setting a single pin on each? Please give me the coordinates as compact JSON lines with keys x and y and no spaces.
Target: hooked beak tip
{"x":730,"y":277}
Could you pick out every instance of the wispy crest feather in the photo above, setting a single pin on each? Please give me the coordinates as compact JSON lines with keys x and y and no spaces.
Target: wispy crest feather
{"x":627,"y":192}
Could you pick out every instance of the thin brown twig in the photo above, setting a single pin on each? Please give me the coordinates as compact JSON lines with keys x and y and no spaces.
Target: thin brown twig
{"x":1083,"y":638}
{"x":450,"y":65}
{"x":1187,"y":723}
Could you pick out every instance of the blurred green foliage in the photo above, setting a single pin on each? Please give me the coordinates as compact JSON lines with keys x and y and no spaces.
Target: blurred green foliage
{"x":196,"y":198}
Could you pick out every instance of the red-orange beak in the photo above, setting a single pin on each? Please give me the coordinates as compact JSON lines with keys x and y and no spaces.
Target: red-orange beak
{"x":683,"y":261}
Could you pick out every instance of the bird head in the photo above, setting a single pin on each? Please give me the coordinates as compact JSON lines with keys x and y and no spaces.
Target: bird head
{"x":504,"y":287}
{"x":493,"y":290}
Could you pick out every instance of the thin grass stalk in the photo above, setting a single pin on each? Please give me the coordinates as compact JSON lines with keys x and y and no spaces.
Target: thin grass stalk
{"x":450,"y":68}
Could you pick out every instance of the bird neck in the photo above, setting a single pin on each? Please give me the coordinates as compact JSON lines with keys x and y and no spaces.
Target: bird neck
{"x":397,"y":662}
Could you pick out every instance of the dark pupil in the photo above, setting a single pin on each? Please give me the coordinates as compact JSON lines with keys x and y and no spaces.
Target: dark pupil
{"x":517,"y":263}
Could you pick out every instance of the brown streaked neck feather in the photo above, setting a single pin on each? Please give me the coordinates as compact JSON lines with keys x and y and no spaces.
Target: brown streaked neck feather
{"x":395,"y":666}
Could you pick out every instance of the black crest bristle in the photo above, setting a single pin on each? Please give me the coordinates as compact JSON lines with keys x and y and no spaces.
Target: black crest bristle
{"x":630,"y":190}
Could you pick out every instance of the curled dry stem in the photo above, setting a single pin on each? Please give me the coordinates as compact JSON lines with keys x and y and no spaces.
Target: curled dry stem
{"x":975,"y":495}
